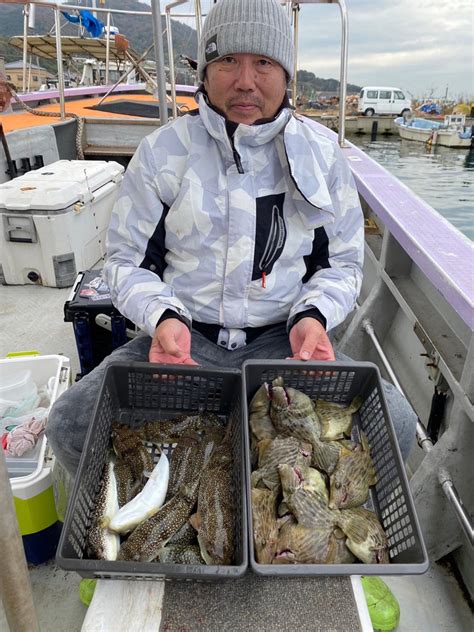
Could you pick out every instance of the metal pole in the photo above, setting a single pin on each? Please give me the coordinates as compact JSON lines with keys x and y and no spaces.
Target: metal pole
{"x":59,"y":53}
{"x":425,"y":442}
{"x":160,"y":61}
{"x":294,"y":89}
{"x":15,"y":588}
{"x":127,"y":72}
{"x":197,"y":8}
{"x":343,"y":74}
{"x":171,"y":62}
{"x":107,"y":51}
{"x":25,"y":44}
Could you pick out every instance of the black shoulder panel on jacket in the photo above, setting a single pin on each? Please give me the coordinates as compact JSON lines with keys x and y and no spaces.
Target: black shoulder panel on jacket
{"x":155,"y":251}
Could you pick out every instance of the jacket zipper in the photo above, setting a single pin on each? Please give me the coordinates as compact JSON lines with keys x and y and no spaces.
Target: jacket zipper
{"x":235,"y":153}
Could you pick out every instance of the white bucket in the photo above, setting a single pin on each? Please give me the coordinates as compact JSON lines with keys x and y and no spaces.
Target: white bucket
{"x":18,"y":392}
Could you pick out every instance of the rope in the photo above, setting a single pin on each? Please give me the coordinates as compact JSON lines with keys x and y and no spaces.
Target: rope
{"x":79,"y":119}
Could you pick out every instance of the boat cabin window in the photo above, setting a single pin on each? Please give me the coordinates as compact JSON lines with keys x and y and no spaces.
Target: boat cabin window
{"x":385,"y":94}
{"x":372,"y":94}
{"x":399,"y":95}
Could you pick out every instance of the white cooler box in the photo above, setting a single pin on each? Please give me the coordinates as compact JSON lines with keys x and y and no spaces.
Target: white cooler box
{"x":54,"y":221}
{"x":31,"y":476}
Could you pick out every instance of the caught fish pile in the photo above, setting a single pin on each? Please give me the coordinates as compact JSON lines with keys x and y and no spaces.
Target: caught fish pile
{"x":179,"y":511}
{"x":309,"y":482}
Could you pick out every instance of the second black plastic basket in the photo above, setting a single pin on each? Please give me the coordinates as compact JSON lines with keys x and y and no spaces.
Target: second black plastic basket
{"x":132,"y":394}
{"x":390,"y":498}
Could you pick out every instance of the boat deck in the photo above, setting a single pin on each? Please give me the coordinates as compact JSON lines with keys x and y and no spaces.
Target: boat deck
{"x":87,"y":108}
{"x":32,"y":318}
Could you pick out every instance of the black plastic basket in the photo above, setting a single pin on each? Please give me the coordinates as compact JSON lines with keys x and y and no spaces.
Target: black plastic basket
{"x":131,"y":394}
{"x":390,"y":498}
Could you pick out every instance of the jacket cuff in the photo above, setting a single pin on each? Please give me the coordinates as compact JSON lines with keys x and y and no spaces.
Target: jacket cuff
{"x":170,"y":313}
{"x":313,"y":312}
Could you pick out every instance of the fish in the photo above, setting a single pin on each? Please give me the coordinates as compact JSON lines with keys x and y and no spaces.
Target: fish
{"x":128,"y":447}
{"x":293,"y":414}
{"x":352,"y":477}
{"x":299,"y":544}
{"x":185,"y":535}
{"x":147,"y":502}
{"x":336,"y":419}
{"x":127,"y":486}
{"x":261,"y":426}
{"x":102,"y":544}
{"x":308,"y":503}
{"x":182,"y":464}
{"x":340,"y":553}
{"x":365,"y":535}
{"x":169,"y":431}
{"x":180,"y":554}
{"x":146,"y":540}
{"x":214,"y":519}
{"x":274,"y":452}
{"x":265,"y":524}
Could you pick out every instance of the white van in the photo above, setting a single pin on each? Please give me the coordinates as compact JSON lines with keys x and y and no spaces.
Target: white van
{"x":383,"y":100}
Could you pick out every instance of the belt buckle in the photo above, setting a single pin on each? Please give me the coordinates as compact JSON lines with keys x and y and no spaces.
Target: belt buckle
{"x":231,"y":339}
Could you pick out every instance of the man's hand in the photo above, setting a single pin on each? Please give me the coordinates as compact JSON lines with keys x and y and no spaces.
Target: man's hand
{"x":171,"y":343}
{"x":309,"y":341}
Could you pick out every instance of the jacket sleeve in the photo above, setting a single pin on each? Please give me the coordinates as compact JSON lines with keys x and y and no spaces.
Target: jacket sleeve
{"x":136,"y":246}
{"x":334,"y":277}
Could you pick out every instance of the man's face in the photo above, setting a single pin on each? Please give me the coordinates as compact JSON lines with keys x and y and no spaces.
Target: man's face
{"x":245,"y":87}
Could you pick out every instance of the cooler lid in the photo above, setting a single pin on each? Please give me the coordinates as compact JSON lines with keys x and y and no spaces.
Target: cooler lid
{"x":58,"y":185}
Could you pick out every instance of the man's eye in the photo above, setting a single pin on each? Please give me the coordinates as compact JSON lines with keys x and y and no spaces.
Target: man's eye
{"x":228,"y":60}
{"x":264,"y":62}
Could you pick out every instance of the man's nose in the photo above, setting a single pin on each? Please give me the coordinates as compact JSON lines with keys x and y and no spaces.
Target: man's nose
{"x":246,"y":76}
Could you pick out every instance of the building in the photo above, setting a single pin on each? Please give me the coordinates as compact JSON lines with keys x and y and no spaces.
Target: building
{"x":35,"y":75}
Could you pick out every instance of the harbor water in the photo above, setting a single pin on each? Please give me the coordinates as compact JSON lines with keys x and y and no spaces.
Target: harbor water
{"x":442,"y":176}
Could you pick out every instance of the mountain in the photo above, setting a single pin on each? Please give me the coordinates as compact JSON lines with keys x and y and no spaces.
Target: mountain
{"x":137,"y":29}
{"x":139,"y":32}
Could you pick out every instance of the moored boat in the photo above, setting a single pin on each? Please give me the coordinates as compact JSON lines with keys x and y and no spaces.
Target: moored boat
{"x":452,"y":132}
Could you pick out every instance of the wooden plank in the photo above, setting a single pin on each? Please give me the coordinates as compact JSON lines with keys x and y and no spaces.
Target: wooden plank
{"x":125,"y":605}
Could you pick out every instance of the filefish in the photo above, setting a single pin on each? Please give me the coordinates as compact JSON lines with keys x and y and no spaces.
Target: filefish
{"x":128,"y":447}
{"x":171,"y":430}
{"x":102,"y":544}
{"x":365,"y":535}
{"x":336,"y":419}
{"x":261,"y":426}
{"x":180,"y":554}
{"x":265,"y":524}
{"x":299,"y":544}
{"x":340,"y":554}
{"x":214,"y":519}
{"x":147,"y":502}
{"x":273,"y":453}
{"x":293,"y":414}
{"x":308,"y":503}
{"x":352,"y":477}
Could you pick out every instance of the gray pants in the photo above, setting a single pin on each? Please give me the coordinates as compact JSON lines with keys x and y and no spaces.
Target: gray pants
{"x":71,"y":414}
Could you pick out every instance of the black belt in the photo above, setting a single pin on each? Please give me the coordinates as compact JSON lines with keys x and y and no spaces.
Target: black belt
{"x":211,"y":332}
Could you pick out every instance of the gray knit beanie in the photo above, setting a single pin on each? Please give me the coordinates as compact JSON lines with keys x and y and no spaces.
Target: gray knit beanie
{"x":260,"y":27}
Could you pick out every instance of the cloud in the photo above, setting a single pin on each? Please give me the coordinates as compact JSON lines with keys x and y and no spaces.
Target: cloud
{"x":420,"y":46}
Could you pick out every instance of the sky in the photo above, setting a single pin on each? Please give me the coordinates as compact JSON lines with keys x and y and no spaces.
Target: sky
{"x":424,"y":47}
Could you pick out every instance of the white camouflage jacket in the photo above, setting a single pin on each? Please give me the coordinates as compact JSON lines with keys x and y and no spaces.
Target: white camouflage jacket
{"x":240,"y":232}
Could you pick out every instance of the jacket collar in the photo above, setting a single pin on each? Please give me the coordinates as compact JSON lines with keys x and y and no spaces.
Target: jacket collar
{"x":252,"y":135}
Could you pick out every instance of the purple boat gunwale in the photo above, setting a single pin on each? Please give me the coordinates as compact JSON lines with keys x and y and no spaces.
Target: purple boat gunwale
{"x":440,"y":250}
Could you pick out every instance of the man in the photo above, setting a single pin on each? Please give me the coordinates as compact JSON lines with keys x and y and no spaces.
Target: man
{"x":238,"y":231}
